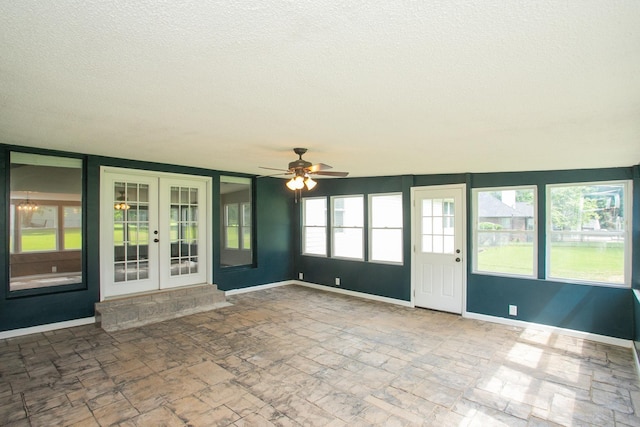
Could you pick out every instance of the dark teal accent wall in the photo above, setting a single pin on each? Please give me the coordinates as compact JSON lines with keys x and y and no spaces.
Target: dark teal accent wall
{"x":277,"y":252}
{"x":391,"y":281}
{"x":385,"y":280}
{"x":635,"y":264}
{"x":272,"y":233}
{"x":272,"y":237}
{"x":595,"y":309}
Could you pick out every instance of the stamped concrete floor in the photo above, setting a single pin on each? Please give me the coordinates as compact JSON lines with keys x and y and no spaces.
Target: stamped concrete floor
{"x":298,"y":356}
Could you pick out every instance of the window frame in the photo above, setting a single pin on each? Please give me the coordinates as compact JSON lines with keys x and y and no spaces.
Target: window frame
{"x":304,"y":227}
{"x":333,"y":227}
{"x":475,"y":222}
{"x":371,"y":228}
{"x":627,"y":232}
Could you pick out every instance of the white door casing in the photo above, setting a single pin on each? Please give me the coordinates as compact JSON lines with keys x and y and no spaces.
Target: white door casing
{"x":439,"y":246}
{"x":157,"y":238}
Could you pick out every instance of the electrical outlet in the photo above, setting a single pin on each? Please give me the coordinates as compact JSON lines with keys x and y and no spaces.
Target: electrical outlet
{"x":513,"y":310}
{"x":54,"y":269}
{"x":300,"y":276}
{"x":337,"y":281}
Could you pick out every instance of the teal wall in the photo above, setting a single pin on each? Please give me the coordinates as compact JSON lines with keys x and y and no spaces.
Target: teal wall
{"x":272,"y":233}
{"x":635,"y":265}
{"x":596,"y":309}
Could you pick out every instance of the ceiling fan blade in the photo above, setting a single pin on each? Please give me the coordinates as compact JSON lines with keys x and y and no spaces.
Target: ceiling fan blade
{"x":319,"y":167}
{"x":339,"y":174}
{"x":274,"y":169}
{"x":275,"y":174}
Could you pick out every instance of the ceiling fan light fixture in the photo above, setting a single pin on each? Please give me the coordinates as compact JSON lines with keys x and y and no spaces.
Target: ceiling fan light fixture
{"x":291,"y":184}
{"x":310,"y":183}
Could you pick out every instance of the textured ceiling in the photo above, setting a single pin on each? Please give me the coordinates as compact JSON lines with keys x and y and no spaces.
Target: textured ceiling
{"x":372,"y":87}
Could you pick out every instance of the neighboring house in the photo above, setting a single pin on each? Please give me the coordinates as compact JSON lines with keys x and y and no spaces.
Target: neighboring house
{"x":494,"y":214}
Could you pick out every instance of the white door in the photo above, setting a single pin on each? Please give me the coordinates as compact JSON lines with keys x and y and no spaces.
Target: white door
{"x":439,"y":230}
{"x":153,"y":232}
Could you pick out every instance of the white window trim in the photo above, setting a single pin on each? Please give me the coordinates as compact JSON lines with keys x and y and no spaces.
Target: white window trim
{"x":371,"y":228}
{"x":304,"y":228}
{"x":474,"y":267}
{"x":227,"y":226}
{"x":628,"y":223}
{"x":242,"y":226}
{"x":333,"y":227}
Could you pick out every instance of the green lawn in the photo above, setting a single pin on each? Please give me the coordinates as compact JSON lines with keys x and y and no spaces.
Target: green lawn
{"x":593,"y":263}
{"x":514,"y":259}
{"x":39,"y":240}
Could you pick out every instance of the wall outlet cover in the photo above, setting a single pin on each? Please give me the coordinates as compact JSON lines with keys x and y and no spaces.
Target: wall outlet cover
{"x":337,"y":281}
{"x":513,"y":310}
{"x":300,"y":276}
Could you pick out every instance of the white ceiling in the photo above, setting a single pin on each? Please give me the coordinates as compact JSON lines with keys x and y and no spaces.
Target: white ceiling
{"x":372,"y":87}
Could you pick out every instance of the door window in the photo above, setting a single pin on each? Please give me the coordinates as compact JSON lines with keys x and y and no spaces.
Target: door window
{"x":438,"y":226}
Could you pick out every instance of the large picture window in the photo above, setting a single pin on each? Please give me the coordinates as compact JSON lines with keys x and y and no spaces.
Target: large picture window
{"x":588,"y":232}
{"x":45,"y":230}
{"x":385,"y":225}
{"x":505,"y":230}
{"x":314,"y":226}
{"x":347,"y":227}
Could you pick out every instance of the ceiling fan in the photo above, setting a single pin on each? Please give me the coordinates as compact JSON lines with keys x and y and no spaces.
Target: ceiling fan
{"x":302,"y":169}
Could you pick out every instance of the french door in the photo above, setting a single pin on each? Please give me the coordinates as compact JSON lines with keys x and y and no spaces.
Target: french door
{"x":153,"y":231}
{"x":438,"y":260}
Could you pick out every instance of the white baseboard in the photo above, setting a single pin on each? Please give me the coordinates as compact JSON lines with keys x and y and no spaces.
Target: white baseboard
{"x":353,"y":293}
{"x":257,"y":288}
{"x":552,"y":329}
{"x":46,"y":328}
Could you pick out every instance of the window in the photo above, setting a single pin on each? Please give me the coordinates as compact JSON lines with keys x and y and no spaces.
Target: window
{"x":587,"y":232}
{"x":314,"y":226}
{"x":237,"y":221}
{"x":231,"y":226}
{"x":505,"y":230}
{"x":385,"y":241}
{"x":45,"y":230}
{"x":237,"y":227}
{"x":347,"y":227}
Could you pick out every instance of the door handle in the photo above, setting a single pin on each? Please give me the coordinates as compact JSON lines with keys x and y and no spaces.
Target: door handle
{"x":458,"y":259}
{"x":156,"y":240}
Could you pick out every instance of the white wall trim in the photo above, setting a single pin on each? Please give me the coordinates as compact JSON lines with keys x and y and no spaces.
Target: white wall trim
{"x":46,"y":328}
{"x":354,"y":293}
{"x":553,"y":329}
{"x":257,"y":288}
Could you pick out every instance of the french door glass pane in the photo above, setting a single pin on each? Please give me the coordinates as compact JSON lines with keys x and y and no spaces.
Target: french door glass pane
{"x":183,"y":230}
{"x":130,"y":231}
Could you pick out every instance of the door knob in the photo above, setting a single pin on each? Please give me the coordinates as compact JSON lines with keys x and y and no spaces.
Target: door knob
{"x":156,"y":240}
{"x":458,"y":260}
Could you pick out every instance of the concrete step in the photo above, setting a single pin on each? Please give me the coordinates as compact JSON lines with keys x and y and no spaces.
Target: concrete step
{"x":130,"y":311}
